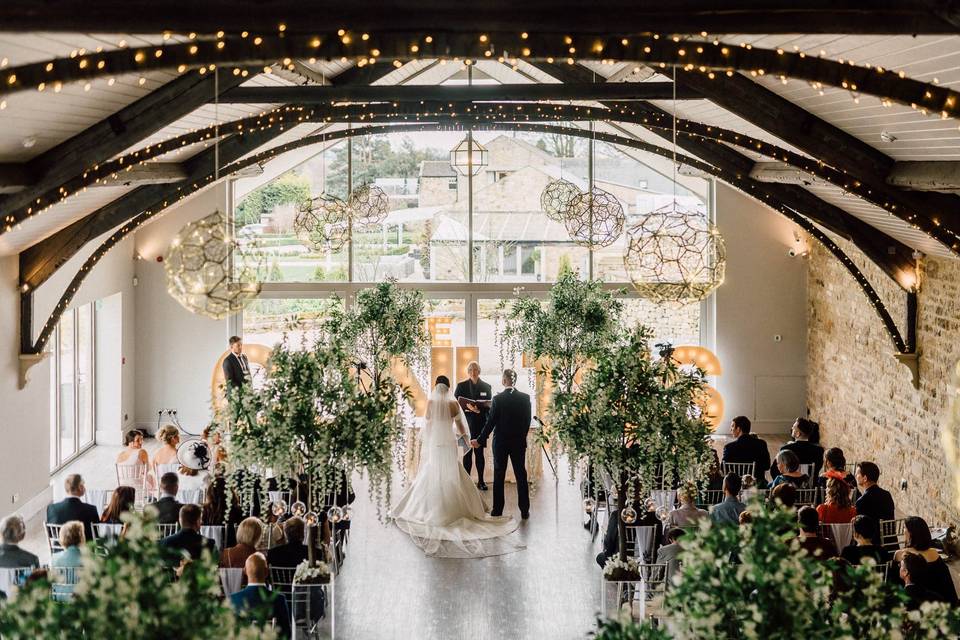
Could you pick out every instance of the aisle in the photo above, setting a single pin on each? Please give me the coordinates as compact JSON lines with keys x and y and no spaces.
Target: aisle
{"x":388,"y":589}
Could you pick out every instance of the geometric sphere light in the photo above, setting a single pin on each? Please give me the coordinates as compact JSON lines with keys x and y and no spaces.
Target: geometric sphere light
{"x":556,"y":197}
{"x":369,"y":205}
{"x":675,"y":254}
{"x":594,"y":218}
{"x":323,"y":223}
{"x":468,"y":155}
{"x":209,"y":273}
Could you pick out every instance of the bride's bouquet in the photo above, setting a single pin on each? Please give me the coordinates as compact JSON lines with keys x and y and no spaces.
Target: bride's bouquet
{"x":317,"y":574}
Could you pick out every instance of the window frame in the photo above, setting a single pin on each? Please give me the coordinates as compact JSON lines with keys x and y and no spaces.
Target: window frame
{"x":56,"y":368}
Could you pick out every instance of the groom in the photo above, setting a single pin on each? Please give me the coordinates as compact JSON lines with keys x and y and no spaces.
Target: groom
{"x":509,"y":417}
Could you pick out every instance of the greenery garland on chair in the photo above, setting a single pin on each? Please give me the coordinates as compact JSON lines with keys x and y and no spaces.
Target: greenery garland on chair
{"x":636,"y":417}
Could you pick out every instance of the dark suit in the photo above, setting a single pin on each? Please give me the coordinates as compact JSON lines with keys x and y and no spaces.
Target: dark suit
{"x":808,"y":452}
{"x":475,"y":421}
{"x":167,"y":510}
{"x":287,"y":555}
{"x":749,"y":448}
{"x":71,"y":508}
{"x":876,"y":503}
{"x":13,"y":557}
{"x":254,"y":597}
{"x":917,"y":595}
{"x":509,"y":420}
{"x":190,"y":541}
{"x":233,"y":370}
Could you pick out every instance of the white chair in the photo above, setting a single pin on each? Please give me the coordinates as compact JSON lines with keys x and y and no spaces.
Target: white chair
{"x":810,"y":470}
{"x":160,"y":469}
{"x":190,"y":496}
{"x":231,"y":580}
{"x":64,"y":579}
{"x":642,"y":599}
{"x":642,"y":542}
{"x":53,"y":537}
{"x":13,"y":578}
{"x":709,"y":497}
{"x":99,"y":498}
{"x":167,"y":529}
{"x":134,"y":475}
{"x":839,"y":534}
{"x":807,"y":497}
{"x":740,"y":468}
{"x":893,"y":533}
{"x":215,"y":532}
{"x":666,"y":498}
{"x":104,"y":532}
{"x":300,"y":599}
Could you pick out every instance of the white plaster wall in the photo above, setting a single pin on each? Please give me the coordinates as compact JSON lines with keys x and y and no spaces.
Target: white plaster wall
{"x":763,"y":296}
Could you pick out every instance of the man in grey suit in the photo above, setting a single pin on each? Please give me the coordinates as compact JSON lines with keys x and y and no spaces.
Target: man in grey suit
{"x":509,"y":421}
{"x":12,"y":556}
{"x":72,"y":507}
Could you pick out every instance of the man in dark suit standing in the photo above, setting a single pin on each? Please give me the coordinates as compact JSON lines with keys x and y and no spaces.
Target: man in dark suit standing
{"x":873,"y":501}
{"x":509,"y":419}
{"x":167,"y":509}
{"x":473,"y":388}
{"x":747,"y":448}
{"x":236,"y":367}
{"x":188,"y":540}
{"x":72,"y":507}
{"x":294,"y":551}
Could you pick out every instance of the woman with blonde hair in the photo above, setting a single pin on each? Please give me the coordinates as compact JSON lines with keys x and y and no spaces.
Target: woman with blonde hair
{"x":169,"y":437}
{"x":249,"y":532}
{"x":71,"y":539}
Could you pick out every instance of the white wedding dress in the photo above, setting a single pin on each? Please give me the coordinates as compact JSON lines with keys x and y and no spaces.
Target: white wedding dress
{"x":442,"y":510}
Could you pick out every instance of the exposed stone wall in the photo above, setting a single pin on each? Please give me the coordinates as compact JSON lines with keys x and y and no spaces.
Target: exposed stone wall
{"x":864,"y":399}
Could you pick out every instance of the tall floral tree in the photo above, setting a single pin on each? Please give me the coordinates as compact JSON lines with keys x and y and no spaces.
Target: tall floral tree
{"x":635,"y":416}
{"x":576,"y":323}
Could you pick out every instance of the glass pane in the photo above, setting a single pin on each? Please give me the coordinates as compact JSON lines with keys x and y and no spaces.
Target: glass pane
{"x":54,"y":393}
{"x":85,"y":375}
{"x":265,"y":217}
{"x":423,"y":237}
{"x":670,"y":323}
{"x":265,"y":321}
{"x":514,"y":240}
{"x":446,"y":321}
{"x":490,"y":364}
{"x":68,"y":443}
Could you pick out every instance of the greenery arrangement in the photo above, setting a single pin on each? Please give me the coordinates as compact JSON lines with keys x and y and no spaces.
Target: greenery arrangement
{"x":128,"y":595}
{"x":637,"y":417}
{"x":754,"y":582}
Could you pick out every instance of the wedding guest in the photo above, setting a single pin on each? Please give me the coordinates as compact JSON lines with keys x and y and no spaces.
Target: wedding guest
{"x":745,"y":518}
{"x":646,"y":517}
{"x":476,"y":390}
{"x":12,"y":532}
{"x":715,"y":473}
{"x":122,"y":501}
{"x":936,"y":574}
{"x":72,"y":507}
{"x":803,"y":446}
{"x":729,"y":510}
{"x":188,"y":541}
{"x":784,"y":495}
{"x":212,"y":438}
{"x":873,"y":501}
{"x":913,"y":573}
{"x":687,"y":513}
{"x":236,"y":366}
{"x":747,"y":448}
{"x":866,"y":542}
{"x":294,"y":551}
{"x":71,"y":539}
{"x":133,"y":452}
{"x":837,"y":507}
{"x":253,"y":599}
{"x":167,"y":508}
{"x":749,"y":488}
{"x":169,"y":437}
{"x":789,"y":465}
{"x":248,"y":535}
{"x":810,"y":539}
{"x":669,"y":554}
{"x":835,"y":466}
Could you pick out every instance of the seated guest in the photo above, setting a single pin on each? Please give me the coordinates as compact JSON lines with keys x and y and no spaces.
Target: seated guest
{"x":646,"y":517}
{"x":167,"y":509}
{"x":169,"y":437}
{"x":936,"y":575}
{"x":248,"y":535}
{"x":715,"y":473}
{"x":12,"y":531}
{"x":803,"y":446}
{"x":222,"y":507}
{"x":214,"y":443}
{"x":122,"y":501}
{"x":747,"y":448}
{"x":669,"y":554}
{"x":749,"y":488}
{"x":71,"y":539}
{"x":810,"y":539}
{"x":835,"y":466}
{"x":784,"y":495}
{"x":73,"y":508}
{"x":913,"y":573}
{"x":866,"y":542}
{"x":687,"y":513}
{"x":729,"y":510}
{"x":294,"y":551}
{"x":789,"y":465}
{"x":188,"y":541}
{"x":133,"y":452}
{"x":251,"y":600}
{"x":837,"y":507}
{"x":873,"y":501}
{"x":272,"y":535}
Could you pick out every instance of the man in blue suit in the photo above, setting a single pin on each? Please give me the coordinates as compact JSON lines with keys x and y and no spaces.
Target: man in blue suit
{"x":73,"y":507}
{"x":257,"y":601}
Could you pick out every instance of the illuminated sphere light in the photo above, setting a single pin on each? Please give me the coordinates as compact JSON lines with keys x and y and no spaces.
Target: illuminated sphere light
{"x":675,"y":254}
{"x":298,"y":509}
{"x":335,"y":514}
{"x":279,"y":507}
{"x":311,"y":519}
{"x":594,"y":218}
{"x":556,"y":197}
{"x":589,"y":505}
{"x":209,"y":273}
{"x":369,"y":205}
{"x":323,"y":223}
{"x":347,"y":513}
{"x":628,"y":515}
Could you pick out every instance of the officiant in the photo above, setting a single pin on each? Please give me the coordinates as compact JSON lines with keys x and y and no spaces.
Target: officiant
{"x":474,"y":396}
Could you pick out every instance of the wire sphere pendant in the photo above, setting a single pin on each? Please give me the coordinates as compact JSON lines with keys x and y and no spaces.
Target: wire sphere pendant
{"x":209,"y":273}
{"x":323,"y":223}
{"x":594,"y":218}
{"x":675,"y":254}
{"x":556,"y":196}
{"x":368,"y":205}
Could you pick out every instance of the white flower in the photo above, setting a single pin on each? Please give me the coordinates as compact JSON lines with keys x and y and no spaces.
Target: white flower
{"x":305,"y":574}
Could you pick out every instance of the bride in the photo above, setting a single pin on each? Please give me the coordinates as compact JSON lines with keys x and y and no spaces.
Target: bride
{"x":442,"y":510}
